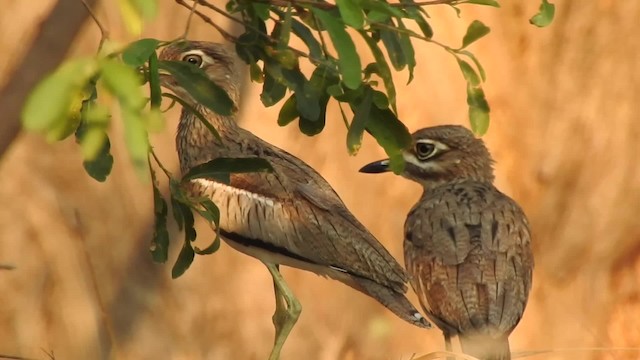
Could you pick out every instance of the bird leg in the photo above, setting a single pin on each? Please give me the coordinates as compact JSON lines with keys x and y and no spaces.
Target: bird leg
{"x":287,"y":311}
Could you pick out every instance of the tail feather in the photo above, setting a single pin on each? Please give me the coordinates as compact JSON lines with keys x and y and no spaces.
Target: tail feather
{"x":394,"y":301}
{"x":485,"y":347}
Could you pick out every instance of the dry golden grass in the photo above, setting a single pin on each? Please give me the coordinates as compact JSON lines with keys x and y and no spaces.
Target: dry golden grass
{"x":565,"y":136}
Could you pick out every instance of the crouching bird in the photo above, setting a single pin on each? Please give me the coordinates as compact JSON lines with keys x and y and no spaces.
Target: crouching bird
{"x":290,"y":216}
{"x":467,"y":246}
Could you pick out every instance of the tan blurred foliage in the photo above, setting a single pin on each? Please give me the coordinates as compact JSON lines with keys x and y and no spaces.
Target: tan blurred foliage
{"x":564,"y":132}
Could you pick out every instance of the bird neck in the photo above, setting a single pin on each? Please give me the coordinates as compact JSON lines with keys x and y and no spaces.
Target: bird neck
{"x":196,"y":144}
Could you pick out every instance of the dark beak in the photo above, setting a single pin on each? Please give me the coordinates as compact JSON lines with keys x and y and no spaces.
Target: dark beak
{"x":376,"y":167}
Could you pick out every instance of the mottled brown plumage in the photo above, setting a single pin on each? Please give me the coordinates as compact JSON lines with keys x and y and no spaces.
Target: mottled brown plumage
{"x":291,"y":216}
{"x":466,"y":244}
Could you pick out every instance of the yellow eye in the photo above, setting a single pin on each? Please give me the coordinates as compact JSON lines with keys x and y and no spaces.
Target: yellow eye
{"x":424,"y":150}
{"x":193,"y":59}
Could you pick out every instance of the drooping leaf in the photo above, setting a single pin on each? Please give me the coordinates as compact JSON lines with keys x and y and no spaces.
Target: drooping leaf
{"x":475,"y":31}
{"x":383,"y":67}
{"x":220,"y":168}
{"x":160,"y":244}
{"x":123,"y":82}
{"x":155,"y":92}
{"x":407,"y":49}
{"x":478,"y":110}
{"x":131,"y":17}
{"x":360,"y":119}
{"x":301,"y":31}
{"x":195,"y":81}
{"x":138,"y":52}
{"x":391,"y":41}
{"x":314,"y":127}
{"x":467,"y":71}
{"x":100,"y":167}
{"x":413,"y":11}
{"x":55,"y":98}
{"x":137,"y":141}
{"x":473,"y":58}
{"x":272,"y":90}
{"x":351,"y":13}
{"x":289,"y":111}
{"x":212,"y":214}
{"x":493,"y":3}
{"x":184,"y":261}
{"x":391,"y":134}
{"x":348,"y":59}
{"x":545,"y":14}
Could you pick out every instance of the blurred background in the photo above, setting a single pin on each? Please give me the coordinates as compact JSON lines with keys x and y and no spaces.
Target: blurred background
{"x":565,"y":127}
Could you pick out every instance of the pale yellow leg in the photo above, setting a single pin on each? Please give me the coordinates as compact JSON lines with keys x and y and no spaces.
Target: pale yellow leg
{"x":287,"y":311}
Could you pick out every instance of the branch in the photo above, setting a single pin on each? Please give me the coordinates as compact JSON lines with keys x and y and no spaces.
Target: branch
{"x":47,"y":50}
{"x":328,"y":6}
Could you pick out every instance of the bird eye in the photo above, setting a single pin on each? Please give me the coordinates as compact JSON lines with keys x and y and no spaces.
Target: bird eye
{"x":193,"y":59}
{"x":425,"y":150}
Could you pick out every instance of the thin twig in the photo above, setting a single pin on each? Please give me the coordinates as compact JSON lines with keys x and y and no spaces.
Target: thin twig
{"x":329,"y":6}
{"x":7,"y":267}
{"x":186,"y":28}
{"x":104,"y":32}
{"x":157,"y":160}
{"x":227,"y":36}
{"x":13,"y":357}
{"x":106,"y":322}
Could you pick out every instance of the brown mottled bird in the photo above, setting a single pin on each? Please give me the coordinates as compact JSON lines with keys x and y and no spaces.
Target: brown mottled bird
{"x":467,"y":246}
{"x":290,"y":216}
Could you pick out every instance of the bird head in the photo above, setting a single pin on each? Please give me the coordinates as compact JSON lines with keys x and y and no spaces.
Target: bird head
{"x":217,"y":60}
{"x":441,"y":154}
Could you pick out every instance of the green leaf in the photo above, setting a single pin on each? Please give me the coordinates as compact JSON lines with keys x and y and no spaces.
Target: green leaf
{"x":380,"y":99}
{"x":123,"y":82}
{"x":285,"y":31}
{"x":493,"y":3}
{"x":195,"y":81}
{"x":478,"y":110}
{"x":314,"y":127}
{"x":391,"y":41}
{"x":138,"y":52}
{"x":137,"y":141}
{"x":155,"y":92}
{"x":54,"y":99}
{"x":289,"y":111}
{"x":413,"y":12}
{"x":160,"y":243}
{"x":383,"y":7}
{"x":185,"y":258}
{"x":131,"y":17}
{"x":475,"y":31}
{"x":360,"y":119}
{"x":473,"y":58}
{"x":383,"y":67}
{"x":147,"y":8}
{"x":348,"y":59}
{"x":215,"y":246}
{"x":261,"y":10}
{"x":272,"y":90}
{"x":467,"y":71}
{"x":351,"y":13}
{"x":391,"y":134}
{"x":303,"y":32}
{"x":407,"y":49}
{"x":195,"y":112}
{"x":545,"y":14}
{"x":221,"y":167}
{"x":212,"y":214}
{"x":100,"y":167}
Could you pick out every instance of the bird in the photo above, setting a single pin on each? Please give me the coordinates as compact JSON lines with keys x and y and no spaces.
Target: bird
{"x":290,"y":216}
{"x":467,"y":246}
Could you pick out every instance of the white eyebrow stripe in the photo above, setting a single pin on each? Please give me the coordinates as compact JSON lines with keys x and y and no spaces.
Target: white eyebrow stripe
{"x":437,"y":144}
